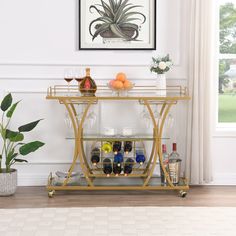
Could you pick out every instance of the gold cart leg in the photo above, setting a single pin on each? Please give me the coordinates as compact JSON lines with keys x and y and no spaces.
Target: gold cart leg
{"x":165,"y":113}
{"x":68,"y":104}
{"x":72,"y":115}
{"x":82,"y":156}
{"x":156,"y":141}
{"x":158,"y":131}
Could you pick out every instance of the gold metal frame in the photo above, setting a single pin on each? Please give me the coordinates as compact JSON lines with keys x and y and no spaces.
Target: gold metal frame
{"x":166,"y":102}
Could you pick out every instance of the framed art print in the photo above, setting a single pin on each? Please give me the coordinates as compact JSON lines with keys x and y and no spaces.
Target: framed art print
{"x":117,"y":24}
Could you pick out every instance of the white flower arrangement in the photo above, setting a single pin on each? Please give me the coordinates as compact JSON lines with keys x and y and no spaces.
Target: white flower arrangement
{"x":160,"y":65}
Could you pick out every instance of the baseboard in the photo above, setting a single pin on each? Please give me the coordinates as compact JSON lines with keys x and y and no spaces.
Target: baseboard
{"x":32,"y":180}
{"x":224,"y":179}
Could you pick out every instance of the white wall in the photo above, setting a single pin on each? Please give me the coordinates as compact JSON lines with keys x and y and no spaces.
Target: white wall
{"x":38,"y":40}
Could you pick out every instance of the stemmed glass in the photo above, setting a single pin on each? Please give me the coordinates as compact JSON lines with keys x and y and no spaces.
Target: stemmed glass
{"x":68,"y":78}
{"x":157,"y":114}
{"x":90,"y":119}
{"x":169,"y":122}
{"x":68,"y":122}
{"x":146,"y":117}
{"x":78,"y":77}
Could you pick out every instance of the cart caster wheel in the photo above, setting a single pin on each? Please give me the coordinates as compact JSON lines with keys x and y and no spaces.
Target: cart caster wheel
{"x":51,"y":193}
{"x":182,"y":194}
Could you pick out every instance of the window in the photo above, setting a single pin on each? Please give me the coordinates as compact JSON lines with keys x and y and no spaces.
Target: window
{"x":227,"y":62}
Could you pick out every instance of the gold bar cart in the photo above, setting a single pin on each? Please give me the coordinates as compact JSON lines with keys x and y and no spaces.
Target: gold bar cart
{"x":144,"y":95}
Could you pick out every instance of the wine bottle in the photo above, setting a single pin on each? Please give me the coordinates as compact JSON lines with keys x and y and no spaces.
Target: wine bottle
{"x":118,"y":158}
{"x":107,"y":166}
{"x":140,"y":157}
{"x":174,"y":165}
{"x":107,"y":147}
{"x":88,"y":86}
{"x":128,"y":147}
{"x":95,"y":156}
{"x":117,"y":147}
{"x":128,"y":166}
{"x":117,"y":168}
{"x":165,"y":157}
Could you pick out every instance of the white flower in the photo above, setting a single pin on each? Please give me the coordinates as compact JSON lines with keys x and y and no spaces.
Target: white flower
{"x":162,"y":65}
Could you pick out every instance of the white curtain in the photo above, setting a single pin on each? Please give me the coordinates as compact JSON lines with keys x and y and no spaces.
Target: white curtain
{"x":198,"y":163}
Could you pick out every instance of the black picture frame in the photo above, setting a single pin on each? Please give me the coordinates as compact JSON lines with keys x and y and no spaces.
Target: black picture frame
{"x":83,"y":46}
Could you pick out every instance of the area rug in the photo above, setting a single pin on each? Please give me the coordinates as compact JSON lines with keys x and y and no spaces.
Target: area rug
{"x":138,"y":221}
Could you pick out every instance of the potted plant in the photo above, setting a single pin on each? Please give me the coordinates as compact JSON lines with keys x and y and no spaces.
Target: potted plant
{"x":13,"y":146}
{"x":116,"y":20}
{"x":160,"y":66}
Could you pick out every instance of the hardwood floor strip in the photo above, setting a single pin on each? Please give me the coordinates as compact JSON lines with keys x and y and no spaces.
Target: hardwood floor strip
{"x":198,"y":196}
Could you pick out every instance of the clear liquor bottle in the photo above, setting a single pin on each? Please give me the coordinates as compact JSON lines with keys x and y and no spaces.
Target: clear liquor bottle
{"x":174,"y":165}
{"x":165,"y":157}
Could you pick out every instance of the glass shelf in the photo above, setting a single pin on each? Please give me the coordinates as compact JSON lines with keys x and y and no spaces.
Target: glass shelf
{"x":99,"y":137}
{"x":117,"y":181}
{"x":173,"y":93}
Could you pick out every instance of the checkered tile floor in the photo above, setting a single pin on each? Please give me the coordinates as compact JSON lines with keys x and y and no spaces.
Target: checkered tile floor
{"x":138,"y":221}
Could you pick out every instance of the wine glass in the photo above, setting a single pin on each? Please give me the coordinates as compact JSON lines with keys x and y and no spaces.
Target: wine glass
{"x":157,"y":114}
{"x":146,"y":117}
{"x":67,"y":120}
{"x":78,"y":77}
{"x":170,"y":121}
{"x":68,"y":76}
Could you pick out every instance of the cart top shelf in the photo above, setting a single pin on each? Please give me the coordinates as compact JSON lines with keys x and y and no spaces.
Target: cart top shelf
{"x":173,"y":93}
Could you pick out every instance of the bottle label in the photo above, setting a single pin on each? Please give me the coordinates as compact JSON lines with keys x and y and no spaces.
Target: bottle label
{"x":87,"y":84}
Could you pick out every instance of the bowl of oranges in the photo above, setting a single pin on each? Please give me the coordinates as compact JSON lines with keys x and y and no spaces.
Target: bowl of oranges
{"x":120,"y":85}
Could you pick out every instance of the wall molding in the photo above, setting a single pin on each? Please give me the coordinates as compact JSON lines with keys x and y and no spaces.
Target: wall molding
{"x":224,"y":179}
{"x":32,"y":179}
{"x":73,"y":64}
{"x":97,"y":78}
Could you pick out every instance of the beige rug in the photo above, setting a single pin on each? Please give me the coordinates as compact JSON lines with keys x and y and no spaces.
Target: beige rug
{"x":138,"y":221}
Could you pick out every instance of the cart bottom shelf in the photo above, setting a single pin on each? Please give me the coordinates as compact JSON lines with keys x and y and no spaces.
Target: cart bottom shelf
{"x":127,"y":184}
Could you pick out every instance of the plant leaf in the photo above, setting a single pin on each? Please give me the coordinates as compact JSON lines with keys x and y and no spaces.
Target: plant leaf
{"x":135,"y":13}
{"x":10,"y":134}
{"x":107,"y":9}
{"x":12,"y":109}
{"x":14,"y":136}
{"x":28,"y":127}
{"x":20,"y":160}
{"x":126,"y":10}
{"x":117,"y":31}
{"x":101,"y":13}
{"x":6,"y":102}
{"x":11,"y":157}
{"x":103,"y":19}
{"x":120,"y":10}
{"x":30,"y":147}
{"x":101,"y":29}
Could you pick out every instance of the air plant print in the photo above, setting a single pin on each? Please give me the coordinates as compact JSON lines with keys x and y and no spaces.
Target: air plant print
{"x":117,"y":19}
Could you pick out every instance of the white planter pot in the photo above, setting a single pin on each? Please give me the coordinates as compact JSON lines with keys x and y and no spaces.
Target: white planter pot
{"x":8,"y":182}
{"x":161,"y":85}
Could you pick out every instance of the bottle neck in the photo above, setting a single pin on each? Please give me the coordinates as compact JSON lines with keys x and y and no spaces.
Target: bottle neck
{"x":174,"y":147}
{"x":164,"y":148}
{"x":87,"y":72}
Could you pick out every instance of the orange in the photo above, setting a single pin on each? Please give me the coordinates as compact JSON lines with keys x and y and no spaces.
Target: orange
{"x":111,"y":83}
{"x":118,"y":85}
{"x":121,"y":77}
{"x":127,"y":84}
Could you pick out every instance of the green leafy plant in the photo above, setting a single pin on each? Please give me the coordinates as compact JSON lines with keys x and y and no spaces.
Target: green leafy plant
{"x":160,"y":65}
{"x":13,"y":145}
{"x":115,"y":21}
